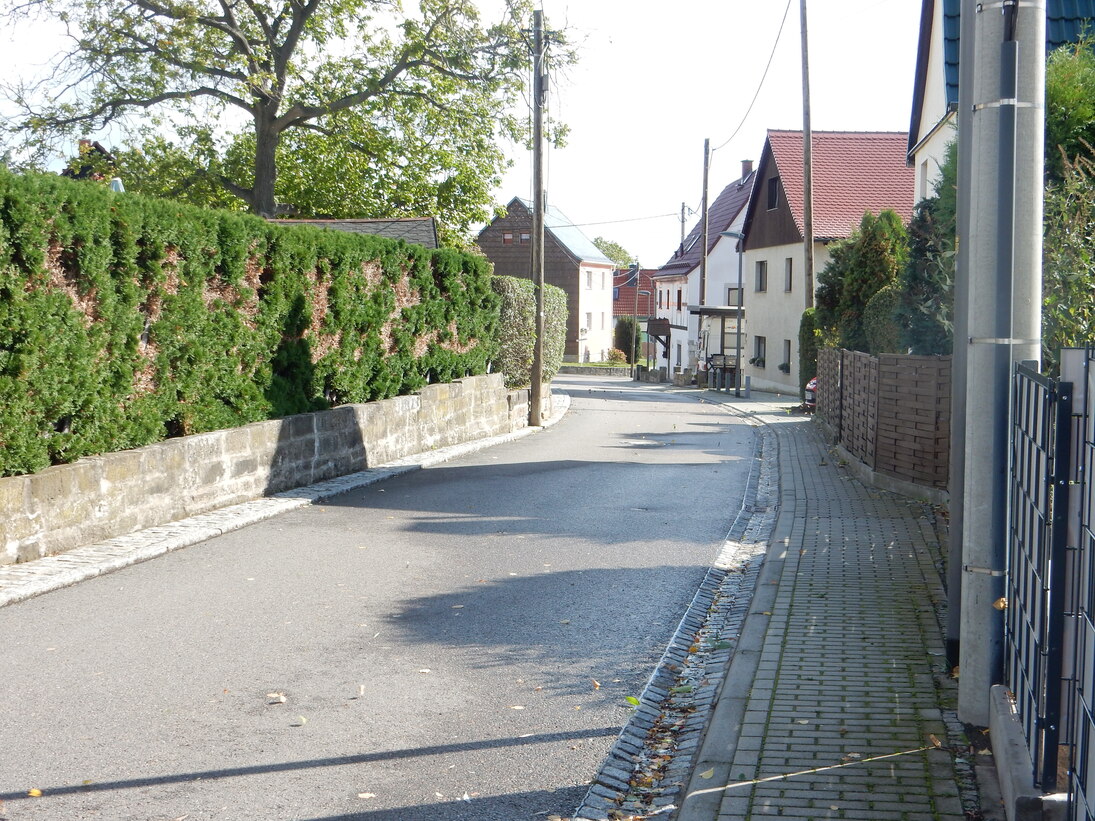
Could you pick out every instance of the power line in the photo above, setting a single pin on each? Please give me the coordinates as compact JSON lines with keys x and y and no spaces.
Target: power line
{"x":614,"y":222}
{"x":762,"y":79}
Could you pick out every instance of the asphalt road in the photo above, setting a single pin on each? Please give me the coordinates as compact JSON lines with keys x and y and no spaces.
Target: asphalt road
{"x":456,"y":643}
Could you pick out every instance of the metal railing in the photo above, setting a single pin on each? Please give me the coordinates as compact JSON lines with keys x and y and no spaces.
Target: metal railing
{"x":1041,"y":422}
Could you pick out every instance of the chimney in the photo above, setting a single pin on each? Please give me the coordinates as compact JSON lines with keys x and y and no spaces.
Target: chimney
{"x":746,"y":168}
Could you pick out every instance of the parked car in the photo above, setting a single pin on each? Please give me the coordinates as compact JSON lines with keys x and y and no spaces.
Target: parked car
{"x":810,"y":400}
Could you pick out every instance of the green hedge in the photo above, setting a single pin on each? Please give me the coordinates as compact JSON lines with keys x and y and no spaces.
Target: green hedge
{"x":517,"y":330}
{"x":126,"y":320}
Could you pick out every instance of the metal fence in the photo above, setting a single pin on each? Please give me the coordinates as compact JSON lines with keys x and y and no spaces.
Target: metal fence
{"x":1080,"y":635}
{"x":1041,"y":420}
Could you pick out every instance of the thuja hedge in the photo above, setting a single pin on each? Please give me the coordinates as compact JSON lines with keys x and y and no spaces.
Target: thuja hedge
{"x":126,"y":320}
{"x":517,"y":330}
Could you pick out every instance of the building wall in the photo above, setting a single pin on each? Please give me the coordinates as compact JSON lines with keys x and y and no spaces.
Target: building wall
{"x":937,"y":125}
{"x":594,"y":309}
{"x":684,"y":326}
{"x":722,"y":284}
{"x":775,"y":313}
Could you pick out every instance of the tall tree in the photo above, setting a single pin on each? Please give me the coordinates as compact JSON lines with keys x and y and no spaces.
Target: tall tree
{"x":619,"y":255}
{"x":351,"y":78}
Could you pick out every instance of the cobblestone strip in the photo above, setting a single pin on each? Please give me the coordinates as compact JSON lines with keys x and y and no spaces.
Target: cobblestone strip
{"x":844,"y":718}
{"x":647,"y":768}
{"x":19,"y":582}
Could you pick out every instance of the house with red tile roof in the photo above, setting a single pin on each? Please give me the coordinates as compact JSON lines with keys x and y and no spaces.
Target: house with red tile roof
{"x":699,"y":313}
{"x":853,"y":173}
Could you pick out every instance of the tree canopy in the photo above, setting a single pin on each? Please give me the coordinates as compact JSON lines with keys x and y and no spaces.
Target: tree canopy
{"x":619,"y":255}
{"x":334,"y":107}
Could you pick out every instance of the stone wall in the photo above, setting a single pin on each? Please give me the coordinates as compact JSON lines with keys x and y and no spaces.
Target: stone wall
{"x":101,"y":497}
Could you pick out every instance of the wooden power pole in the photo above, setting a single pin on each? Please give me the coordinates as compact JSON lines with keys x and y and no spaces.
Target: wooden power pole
{"x":535,"y":394}
{"x":807,"y":169}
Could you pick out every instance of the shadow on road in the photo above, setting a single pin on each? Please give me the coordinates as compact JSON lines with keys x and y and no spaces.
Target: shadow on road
{"x":513,"y":807}
{"x":319,"y":763}
{"x":553,"y":619}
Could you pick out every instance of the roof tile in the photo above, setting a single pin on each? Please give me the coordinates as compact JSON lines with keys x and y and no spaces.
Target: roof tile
{"x":853,"y":172}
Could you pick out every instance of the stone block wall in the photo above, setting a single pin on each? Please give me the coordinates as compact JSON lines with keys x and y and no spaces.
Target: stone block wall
{"x":101,"y":497}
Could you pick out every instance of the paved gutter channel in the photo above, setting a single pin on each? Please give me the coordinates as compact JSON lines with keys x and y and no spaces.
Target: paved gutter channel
{"x":646,"y":771}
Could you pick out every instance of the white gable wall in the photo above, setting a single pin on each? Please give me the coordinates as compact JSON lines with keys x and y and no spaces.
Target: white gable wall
{"x":595,"y":322}
{"x":774,"y":314}
{"x":937,"y":126}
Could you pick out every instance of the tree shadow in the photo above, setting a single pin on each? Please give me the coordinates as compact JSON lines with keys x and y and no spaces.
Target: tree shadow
{"x":554,"y":620}
{"x":531,"y":805}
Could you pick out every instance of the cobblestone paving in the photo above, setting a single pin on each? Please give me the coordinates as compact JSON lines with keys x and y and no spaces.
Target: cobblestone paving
{"x":844,"y":718}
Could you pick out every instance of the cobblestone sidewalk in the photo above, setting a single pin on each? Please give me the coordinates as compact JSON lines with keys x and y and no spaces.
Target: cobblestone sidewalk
{"x":835,"y":705}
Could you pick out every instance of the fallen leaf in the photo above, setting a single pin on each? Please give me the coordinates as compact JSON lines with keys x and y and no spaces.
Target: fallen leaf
{"x":634,"y":702}
{"x":596,"y":684}
{"x":516,"y":707}
{"x":708,"y":773}
{"x":34,"y":793}
{"x":935,"y":741}
{"x":366,"y":795}
{"x":301,"y":721}
{"x":801,"y":721}
{"x":465,"y":797}
{"x":276,"y":698}
{"x":565,"y":621}
{"x":457,"y":606}
{"x":425,"y":670}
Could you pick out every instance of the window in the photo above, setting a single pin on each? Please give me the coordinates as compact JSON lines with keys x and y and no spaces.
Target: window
{"x":659,"y":298}
{"x":760,"y":346}
{"x":589,"y":321}
{"x":732,"y":297}
{"x":786,"y":356}
{"x":615,"y":293}
{"x":678,"y":354}
{"x":679,"y":303}
{"x":602,"y":280}
{"x":602,"y":320}
{"x":762,"y":275}
{"x":589,"y":280}
{"x":788,"y":278}
{"x":773,"y":193}
{"x":525,"y":238}
{"x":507,"y":238}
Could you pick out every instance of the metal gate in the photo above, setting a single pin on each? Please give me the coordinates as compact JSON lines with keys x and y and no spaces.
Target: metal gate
{"x":1080,"y":727}
{"x":1037,"y":528}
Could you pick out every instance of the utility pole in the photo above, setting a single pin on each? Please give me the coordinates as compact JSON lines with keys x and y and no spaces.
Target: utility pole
{"x":807,"y":168}
{"x":535,"y":394}
{"x":703,"y":257}
{"x":684,"y":207}
{"x":1003,"y":264}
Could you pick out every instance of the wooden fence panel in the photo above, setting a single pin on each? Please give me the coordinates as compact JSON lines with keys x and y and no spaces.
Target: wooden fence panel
{"x":891,"y":412}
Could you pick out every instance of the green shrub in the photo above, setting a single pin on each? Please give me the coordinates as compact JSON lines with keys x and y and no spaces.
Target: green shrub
{"x":625,"y":337}
{"x":517,"y":330}
{"x":882,"y":332}
{"x":126,"y":320}
{"x":808,"y":343}
{"x":617,"y":357}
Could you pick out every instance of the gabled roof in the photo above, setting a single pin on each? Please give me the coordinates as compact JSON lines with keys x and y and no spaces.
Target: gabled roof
{"x":570,"y":236}
{"x":1065,"y":22}
{"x":853,"y":172}
{"x":624,"y":293}
{"x":720,"y":215}
{"x":415,"y":230}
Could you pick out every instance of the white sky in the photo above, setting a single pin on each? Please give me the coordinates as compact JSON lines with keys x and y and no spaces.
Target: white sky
{"x":652,"y":84}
